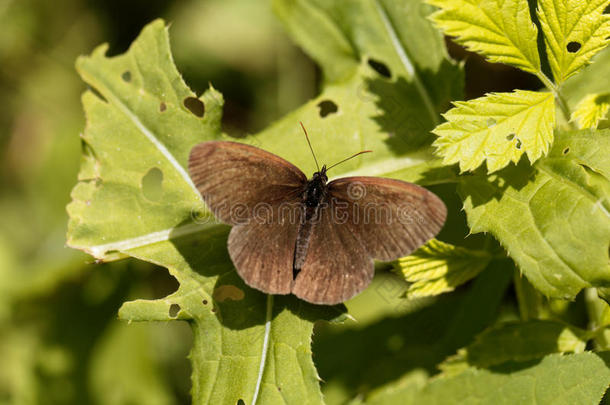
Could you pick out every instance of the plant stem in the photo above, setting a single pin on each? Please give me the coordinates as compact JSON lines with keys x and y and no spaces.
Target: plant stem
{"x":563,"y":106}
{"x":528,"y":299}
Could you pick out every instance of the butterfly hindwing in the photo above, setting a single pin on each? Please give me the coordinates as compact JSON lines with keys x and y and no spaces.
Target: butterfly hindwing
{"x":337,"y":265}
{"x":262,"y":250}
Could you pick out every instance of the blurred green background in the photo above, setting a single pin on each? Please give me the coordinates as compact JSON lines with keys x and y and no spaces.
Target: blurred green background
{"x":60,"y":340}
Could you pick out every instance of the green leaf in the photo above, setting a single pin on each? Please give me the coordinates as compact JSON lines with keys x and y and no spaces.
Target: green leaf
{"x":502,"y":31}
{"x":518,"y":341}
{"x":438,"y":267}
{"x":553,"y":218}
{"x":137,"y":126}
{"x":497,"y":128}
{"x":591,"y":110}
{"x":574,"y":31}
{"x":556,"y":379}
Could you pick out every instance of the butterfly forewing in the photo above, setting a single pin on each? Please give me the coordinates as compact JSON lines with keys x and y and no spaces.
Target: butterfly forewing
{"x":234,"y":178}
{"x":337,"y":265}
{"x":392,"y":218}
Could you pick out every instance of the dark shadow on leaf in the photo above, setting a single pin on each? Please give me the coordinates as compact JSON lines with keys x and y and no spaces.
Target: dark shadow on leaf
{"x":482,"y":188}
{"x":404,"y":114}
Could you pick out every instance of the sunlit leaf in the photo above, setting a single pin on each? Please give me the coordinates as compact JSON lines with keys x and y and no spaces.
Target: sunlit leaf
{"x":591,"y":110}
{"x":497,"y":128}
{"x":574,"y":31}
{"x":502,"y":31}
{"x":438,"y":267}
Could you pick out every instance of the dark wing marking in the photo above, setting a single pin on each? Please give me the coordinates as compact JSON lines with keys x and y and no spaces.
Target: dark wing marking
{"x":262,"y":250}
{"x":392,"y":218}
{"x":233,"y":178}
{"x":337,"y":265}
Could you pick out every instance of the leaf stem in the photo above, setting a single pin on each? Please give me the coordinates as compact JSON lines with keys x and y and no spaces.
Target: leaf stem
{"x":563,"y":105}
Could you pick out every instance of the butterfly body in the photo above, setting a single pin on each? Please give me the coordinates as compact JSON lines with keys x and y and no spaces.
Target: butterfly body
{"x":315,"y":239}
{"x":314,"y":195}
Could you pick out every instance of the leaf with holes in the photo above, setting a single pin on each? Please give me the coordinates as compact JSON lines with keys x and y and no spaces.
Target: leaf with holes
{"x":574,"y":31}
{"x":502,"y":31}
{"x":438,"y":267}
{"x":497,"y":128}
{"x":135,"y":199}
{"x":552,"y":218}
{"x":580,"y":378}
{"x":591,"y":110}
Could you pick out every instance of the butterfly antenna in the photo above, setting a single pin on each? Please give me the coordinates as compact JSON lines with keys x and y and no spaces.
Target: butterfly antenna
{"x":309,"y":143}
{"x":346,"y":159}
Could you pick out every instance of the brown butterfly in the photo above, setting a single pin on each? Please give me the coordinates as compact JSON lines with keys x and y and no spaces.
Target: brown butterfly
{"x":314,"y":239}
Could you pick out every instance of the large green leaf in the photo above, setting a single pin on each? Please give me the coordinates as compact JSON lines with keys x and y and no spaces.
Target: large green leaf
{"x":574,"y":31}
{"x":134,"y":197}
{"x":553,"y":218}
{"x":555,"y":379}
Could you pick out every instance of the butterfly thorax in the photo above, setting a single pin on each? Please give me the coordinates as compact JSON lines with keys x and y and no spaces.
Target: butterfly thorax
{"x":316,"y":188}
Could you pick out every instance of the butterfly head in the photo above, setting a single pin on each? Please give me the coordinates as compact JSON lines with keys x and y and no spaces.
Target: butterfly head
{"x":321,"y":175}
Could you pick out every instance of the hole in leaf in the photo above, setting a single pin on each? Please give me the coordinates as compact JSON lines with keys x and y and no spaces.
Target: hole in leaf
{"x":173,"y":310}
{"x":240,"y":402}
{"x":490,"y":122}
{"x":152,"y":184}
{"x":510,"y":137}
{"x":195,"y":106}
{"x":162,"y":106}
{"x":213,"y":309}
{"x":607,"y":9}
{"x":204,"y":302}
{"x":380,"y":68}
{"x":566,"y":151}
{"x":327,"y":107}
{"x":573,"y":47}
{"x":518,"y":144}
{"x":126,"y":76}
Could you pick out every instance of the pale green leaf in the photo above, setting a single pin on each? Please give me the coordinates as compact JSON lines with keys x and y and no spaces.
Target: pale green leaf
{"x":438,"y":267}
{"x":497,"y":128}
{"x":517,"y":341}
{"x":591,"y":110}
{"x":574,"y":31}
{"x":555,"y":379}
{"x":502,"y":31}
{"x":553,"y":218}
